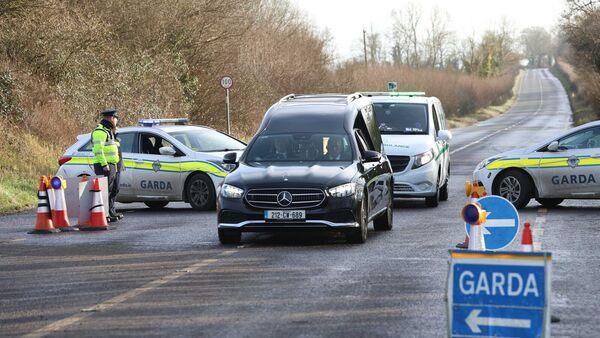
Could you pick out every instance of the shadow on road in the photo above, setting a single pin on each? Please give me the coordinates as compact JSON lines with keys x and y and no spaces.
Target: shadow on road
{"x":301,"y":238}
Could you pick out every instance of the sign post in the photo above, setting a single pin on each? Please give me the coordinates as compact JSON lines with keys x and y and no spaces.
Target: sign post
{"x":502,"y":224}
{"x":226,"y":83}
{"x":392,"y":86}
{"x":499,"y":294}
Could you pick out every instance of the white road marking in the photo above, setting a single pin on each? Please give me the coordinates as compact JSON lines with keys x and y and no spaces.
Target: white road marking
{"x":538,"y":230}
{"x":509,"y":127}
{"x":66,"y":322}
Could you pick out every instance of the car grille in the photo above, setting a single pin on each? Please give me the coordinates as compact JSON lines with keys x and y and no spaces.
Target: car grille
{"x":401,"y":187}
{"x":301,"y":198}
{"x":399,"y":163}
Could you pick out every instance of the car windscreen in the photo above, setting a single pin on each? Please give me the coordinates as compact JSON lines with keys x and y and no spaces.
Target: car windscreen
{"x":401,"y":118}
{"x":207,"y":140}
{"x":300,"y":148}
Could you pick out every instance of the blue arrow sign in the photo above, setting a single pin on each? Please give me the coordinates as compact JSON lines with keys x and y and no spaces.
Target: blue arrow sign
{"x":498,"y":294}
{"x":502,"y":225}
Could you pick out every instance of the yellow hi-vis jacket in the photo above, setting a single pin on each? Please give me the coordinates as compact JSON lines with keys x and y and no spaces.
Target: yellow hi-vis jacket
{"x":104,"y":146}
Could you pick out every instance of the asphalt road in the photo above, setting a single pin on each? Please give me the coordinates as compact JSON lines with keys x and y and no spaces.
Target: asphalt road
{"x":165,"y":273}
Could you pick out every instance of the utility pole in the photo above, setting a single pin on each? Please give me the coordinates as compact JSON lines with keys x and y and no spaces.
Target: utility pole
{"x":365,"y":45}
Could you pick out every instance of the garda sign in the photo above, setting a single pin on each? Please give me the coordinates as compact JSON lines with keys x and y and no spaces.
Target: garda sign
{"x":502,"y":224}
{"x":503,"y":294}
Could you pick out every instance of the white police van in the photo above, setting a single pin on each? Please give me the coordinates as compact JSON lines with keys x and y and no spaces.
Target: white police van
{"x":416,"y":142}
{"x":165,"y":160}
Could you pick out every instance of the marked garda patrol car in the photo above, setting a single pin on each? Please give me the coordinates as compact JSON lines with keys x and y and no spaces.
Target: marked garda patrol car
{"x":564,"y":167}
{"x":165,"y":160}
{"x":415,"y":139}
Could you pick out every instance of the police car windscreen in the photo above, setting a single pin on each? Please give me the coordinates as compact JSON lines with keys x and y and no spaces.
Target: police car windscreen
{"x":206,"y":140}
{"x":401,"y":118}
{"x":300,"y":147}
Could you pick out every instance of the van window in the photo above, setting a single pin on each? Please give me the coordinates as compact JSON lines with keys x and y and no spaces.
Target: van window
{"x":401,"y":118}
{"x":436,"y":121}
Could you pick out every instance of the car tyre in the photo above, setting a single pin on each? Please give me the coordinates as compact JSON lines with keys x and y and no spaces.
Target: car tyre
{"x":515,"y":186}
{"x":156,"y":205}
{"x":230,"y":236}
{"x":550,"y":203}
{"x":201,"y":192}
{"x":385,"y":221}
{"x":433,"y":201}
{"x":444,"y":192}
{"x":359,"y":235}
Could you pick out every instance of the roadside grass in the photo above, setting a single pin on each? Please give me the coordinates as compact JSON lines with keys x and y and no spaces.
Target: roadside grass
{"x":490,"y":111}
{"x":582,"y":112}
{"x":23,"y":159}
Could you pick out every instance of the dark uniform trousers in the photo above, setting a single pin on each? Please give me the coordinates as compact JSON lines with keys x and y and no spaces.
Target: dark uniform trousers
{"x":113,"y":176}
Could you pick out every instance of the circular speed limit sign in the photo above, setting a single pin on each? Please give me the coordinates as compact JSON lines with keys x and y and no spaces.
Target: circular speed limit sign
{"x":226,"y":82}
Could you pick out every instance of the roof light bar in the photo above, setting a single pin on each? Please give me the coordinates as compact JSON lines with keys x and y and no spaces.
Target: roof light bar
{"x":409,"y":94}
{"x":156,"y":122}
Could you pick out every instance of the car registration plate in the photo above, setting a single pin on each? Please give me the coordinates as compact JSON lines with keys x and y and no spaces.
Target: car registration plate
{"x":285,"y":214}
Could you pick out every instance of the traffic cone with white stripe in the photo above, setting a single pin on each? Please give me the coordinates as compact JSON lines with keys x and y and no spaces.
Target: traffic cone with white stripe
{"x":43,"y":223}
{"x":97,"y":215}
{"x":527,"y":238}
{"x":473,"y":191}
{"x":59,"y":212}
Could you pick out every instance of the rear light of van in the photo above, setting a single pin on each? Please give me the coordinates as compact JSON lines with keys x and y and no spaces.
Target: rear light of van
{"x":64,"y":159}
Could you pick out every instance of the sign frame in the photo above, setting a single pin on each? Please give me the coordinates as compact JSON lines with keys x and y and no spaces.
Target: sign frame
{"x":498,"y":259}
{"x":226,"y":82}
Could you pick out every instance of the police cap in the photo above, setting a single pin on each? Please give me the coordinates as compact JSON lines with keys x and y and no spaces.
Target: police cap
{"x":110,"y":112}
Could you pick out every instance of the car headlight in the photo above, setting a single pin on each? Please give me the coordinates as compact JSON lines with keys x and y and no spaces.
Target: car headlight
{"x":229,"y":191}
{"x":423,"y":159}
{"x":486,"y":162}
{"x":343,"y":190}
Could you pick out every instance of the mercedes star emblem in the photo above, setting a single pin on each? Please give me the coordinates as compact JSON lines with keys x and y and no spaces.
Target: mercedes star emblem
{"x":284,"y":198}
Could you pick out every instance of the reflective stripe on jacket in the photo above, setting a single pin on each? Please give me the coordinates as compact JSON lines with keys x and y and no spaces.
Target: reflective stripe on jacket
{"x":104,"y":146}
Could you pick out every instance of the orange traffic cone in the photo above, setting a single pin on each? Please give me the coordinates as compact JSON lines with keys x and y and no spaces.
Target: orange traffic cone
{"x":527,"y":239}
{"x":59,"y":212}
{"x":97,"y":216}
{"x":43,"y":223}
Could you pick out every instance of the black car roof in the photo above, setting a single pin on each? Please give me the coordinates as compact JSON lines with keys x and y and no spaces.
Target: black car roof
{"x":315,"y":113}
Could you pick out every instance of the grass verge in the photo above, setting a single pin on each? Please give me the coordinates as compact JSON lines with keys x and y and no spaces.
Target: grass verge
{"x":582,"y":112}
{"x":23,"y":159}
{"x":490,"y":111}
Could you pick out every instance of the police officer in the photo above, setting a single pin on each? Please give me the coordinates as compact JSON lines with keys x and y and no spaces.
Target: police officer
{"x":107,"y":159}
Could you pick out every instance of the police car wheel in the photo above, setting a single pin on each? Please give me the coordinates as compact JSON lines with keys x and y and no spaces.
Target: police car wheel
{"x":515,"y":186}
{"x":227,"y":236}
{"x":156,"y":204}
{"x":201,"y":192}
{"x":550,"y":202}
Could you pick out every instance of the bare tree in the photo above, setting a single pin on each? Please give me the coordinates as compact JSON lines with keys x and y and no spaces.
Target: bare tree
{"x":537,"y":46}
{"x":437,"y":38}
{"x":405,"y":31}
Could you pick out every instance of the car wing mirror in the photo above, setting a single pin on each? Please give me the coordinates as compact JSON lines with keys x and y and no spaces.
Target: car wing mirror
{"x":553,"y":146}
{"x":444,"y":135}
{"x":169,"y":151}
{"x":371,"y":156}
{"x":230,"y":158}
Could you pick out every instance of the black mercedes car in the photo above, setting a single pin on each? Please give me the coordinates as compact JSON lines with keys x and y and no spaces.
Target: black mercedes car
{"x":315,"y":163}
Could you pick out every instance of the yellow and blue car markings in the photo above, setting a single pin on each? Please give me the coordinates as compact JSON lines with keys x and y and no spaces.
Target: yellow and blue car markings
{"x":541,"y":163}
{"x":184,"y":166}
